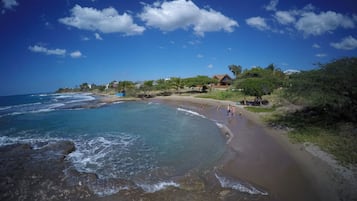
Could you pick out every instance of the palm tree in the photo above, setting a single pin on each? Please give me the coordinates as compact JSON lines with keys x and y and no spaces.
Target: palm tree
{"x":236,"y":70}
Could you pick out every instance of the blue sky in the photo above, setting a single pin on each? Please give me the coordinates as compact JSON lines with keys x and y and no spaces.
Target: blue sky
{"x":50,"y":44}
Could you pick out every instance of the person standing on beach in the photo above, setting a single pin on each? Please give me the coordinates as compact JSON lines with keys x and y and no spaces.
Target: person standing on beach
{"x":233,"y":110}
{"x":229,"y":110}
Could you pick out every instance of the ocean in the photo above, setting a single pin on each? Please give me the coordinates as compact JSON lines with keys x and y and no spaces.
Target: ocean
{"x":149,"y":144}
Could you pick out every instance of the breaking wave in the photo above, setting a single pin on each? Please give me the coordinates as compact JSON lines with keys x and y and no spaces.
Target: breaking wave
{"x":237,"y":185}
{"x":190,"y":112}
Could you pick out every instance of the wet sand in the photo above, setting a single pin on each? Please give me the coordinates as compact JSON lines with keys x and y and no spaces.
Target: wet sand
{"x":265,"y":158}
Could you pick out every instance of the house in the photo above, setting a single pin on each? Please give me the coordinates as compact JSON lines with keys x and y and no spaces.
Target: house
{"x":223,"y":80}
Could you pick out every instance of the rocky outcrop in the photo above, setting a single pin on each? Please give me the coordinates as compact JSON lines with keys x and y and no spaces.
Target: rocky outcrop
{"x":38,"y":174}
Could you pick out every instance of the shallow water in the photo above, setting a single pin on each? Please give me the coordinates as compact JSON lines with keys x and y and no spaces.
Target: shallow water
{"x":149,"y":144}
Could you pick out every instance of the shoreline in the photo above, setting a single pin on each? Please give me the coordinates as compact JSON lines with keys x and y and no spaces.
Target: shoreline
{"x":294,"y":171}
{"x":260,"y":163}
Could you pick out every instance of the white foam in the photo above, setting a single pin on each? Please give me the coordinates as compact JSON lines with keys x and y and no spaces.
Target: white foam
{"x":219,"y":125}
{"x":190,"y":112}
{"x":36,"y":143}
{"x":151,"y":188}
{"x":5,"y":108}
{"x":246,"y":188}
{"x":102,"y":192}
{"x":92,"y":155}
{"x":56,"y":105}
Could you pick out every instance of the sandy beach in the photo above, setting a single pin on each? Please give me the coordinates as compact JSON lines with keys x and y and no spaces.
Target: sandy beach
{"x":265,"y":157}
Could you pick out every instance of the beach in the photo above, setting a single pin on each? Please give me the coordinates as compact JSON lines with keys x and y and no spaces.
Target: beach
{"x":258,"y":162}
{"x":264,"y":156}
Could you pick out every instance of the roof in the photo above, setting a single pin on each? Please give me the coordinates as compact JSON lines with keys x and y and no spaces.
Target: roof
{"x":221,"y":77}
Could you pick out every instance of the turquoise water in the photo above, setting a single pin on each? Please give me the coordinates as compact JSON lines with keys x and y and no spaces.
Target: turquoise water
{"x":126,"y":140}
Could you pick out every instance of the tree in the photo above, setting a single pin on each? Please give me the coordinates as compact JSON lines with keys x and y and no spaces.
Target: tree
{"x":147,"y":86}
{"x":162,"y":84}
{"x":199,"y":80}
{"x":84,"y":87}
{"x":236,"y":70}
{"x":177,"y":83}
{"x":125,"y":85}
{"x":259,"y":81}
{"x":256,"y":87}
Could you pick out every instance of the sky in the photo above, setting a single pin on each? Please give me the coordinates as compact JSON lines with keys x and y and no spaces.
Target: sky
{"x":45,"y":45}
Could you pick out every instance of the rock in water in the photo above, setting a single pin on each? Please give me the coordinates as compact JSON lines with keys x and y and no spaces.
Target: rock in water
{"x":37,"y":174}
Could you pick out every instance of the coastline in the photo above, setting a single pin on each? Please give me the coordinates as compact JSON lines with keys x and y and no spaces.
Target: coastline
{"x":265,"y":157}
{"x":259,"y":164}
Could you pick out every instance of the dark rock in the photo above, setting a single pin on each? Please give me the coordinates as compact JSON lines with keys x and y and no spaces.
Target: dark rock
{"x":38,"y":174}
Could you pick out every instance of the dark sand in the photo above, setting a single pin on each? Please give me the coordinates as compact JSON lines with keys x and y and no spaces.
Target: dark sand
{"x":265,"y":158}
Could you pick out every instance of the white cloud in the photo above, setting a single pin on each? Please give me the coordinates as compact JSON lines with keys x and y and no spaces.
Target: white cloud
{"x":200,"y":56}
{"x":76,"y":54}
{"x":284,"y":17}
{"x":347,"y":43}
{"x":321,"y":55}
{"x":97,"y":36}
{"x":272,"y":5}
{"x":210,"y":66}
{"x":317,"y":46}
{"x":85,"y":38}
{"x":41,"y":49}
{"x":317,"y":24}
{"x":257,"y":22}
{"x":106,"y":21}
{"x":9,"y":4}
{"x":184,"y":14}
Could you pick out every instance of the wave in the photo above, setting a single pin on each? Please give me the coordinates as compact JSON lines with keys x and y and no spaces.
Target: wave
{"x":112,"y":155}
{"x":191,"y":112}
{"x":151,"y":188}
{"x":50,"y":103}
{"x":5,"y":108}
{"x":240,"y":186}
{"x":35,"y":143}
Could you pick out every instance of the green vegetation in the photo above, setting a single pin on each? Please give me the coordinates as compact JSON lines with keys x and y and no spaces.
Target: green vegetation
{"x":260,"y":81}
{"x":328,"y":96}
{"x":260,"y":109}
{"x":224,"y":95}
{"x":343,"y":148}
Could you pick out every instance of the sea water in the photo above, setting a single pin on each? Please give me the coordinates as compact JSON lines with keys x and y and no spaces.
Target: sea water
{"x":125,"y":140}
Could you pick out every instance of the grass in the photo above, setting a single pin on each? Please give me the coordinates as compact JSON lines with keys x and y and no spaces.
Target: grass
{"x":338,"y":139}
{"x":343,"y":148}
{"x":225,"y":95}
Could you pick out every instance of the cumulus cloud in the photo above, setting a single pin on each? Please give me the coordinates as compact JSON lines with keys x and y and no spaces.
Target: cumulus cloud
{"x":106,"y":21}
{"x":44,"y":50}
{"x":347,"y":43}
{"x":184,"y":14}
{"x":306,"y":20}
{"x":284,"y":17}
{"x":76,"y":54}
{"x":97,"y":36}
{"x":257,"y":22}
{"x":9,"y":4}
{"x":272,"y":5}
{"x":317,"y":24}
